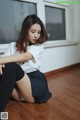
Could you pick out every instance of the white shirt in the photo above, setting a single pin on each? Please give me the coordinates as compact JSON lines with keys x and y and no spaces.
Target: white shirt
{"x":34,"y":63}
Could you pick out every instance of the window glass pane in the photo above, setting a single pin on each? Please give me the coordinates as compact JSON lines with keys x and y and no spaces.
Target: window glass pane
{"x":55,"y":23}
{"x":12,"y":13}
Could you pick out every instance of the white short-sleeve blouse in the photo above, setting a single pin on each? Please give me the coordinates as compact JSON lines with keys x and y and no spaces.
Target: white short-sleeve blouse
{"x":35,"y":62}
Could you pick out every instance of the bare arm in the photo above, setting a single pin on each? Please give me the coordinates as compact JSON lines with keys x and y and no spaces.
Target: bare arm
{"x":16,"y":58}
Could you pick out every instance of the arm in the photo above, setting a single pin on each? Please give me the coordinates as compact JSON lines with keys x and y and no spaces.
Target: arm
{"x":16,"y":58}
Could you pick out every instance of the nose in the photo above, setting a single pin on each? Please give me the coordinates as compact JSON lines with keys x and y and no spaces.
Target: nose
{"x":35,"y":35}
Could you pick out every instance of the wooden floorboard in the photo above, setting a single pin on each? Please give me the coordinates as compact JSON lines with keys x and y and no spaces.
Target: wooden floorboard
{"x":63,"y":105}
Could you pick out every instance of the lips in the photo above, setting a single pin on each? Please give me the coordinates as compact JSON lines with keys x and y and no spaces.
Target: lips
{"x":34,"y":40}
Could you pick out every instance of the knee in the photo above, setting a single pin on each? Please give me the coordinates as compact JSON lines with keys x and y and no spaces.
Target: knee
{"x":10,"y":66}
{"x":15,"y":69}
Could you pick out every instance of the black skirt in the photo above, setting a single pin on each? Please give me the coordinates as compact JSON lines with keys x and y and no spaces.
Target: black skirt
{"x":40,"y":90}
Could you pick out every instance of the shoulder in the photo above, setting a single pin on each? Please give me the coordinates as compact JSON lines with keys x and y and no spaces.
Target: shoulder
{"x":36,"y":47}
{"x":36,"y":50}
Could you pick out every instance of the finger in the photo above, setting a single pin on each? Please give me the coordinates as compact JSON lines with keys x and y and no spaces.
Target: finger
{"x":3,"y":65}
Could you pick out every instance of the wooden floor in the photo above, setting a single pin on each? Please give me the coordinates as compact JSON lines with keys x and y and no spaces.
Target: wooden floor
{"x":64,"y":104}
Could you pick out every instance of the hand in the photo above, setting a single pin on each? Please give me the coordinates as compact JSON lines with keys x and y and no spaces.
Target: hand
{"x":1,"y":69}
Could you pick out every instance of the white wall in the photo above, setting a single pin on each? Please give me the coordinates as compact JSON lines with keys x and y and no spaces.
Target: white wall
{"x":58,"y":57}
{"x":55,"y":58}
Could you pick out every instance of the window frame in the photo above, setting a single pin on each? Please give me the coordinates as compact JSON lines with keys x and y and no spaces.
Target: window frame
{"x":56,"y":2}
{"x":51,"y":43}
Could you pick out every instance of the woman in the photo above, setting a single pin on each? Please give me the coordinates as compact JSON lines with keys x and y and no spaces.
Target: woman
{"x":20,"y":76}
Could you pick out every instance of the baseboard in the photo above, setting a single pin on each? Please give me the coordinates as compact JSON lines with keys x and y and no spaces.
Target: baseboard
{"x":47,"y":74}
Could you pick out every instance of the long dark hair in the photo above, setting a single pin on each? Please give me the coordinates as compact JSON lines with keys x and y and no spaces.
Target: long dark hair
{"x":22,"y":41}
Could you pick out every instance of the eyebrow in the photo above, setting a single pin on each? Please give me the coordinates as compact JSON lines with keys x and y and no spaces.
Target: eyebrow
{"x":35,"y":29}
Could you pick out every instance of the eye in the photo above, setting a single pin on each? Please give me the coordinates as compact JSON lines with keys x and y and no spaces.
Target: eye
{"x":33,"y":31}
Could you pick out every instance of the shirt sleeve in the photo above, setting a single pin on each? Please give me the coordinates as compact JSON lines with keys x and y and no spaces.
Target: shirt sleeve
{"x":36,"y":51}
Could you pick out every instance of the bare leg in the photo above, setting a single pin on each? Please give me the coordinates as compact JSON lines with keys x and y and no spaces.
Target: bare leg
{"x":24,"y":87}
{"x":16,"y":95}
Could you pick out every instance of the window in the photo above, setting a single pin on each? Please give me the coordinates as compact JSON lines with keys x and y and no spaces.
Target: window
{"x":55,"y":23}
{"x":12,"y":13}
{"x":54,"y":16}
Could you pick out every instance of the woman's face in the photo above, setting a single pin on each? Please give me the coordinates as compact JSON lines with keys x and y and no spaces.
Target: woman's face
{"x":34,"y":33}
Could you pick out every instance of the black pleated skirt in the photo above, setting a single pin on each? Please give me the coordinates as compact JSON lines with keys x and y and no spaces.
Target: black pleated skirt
{"x":40,"y":90}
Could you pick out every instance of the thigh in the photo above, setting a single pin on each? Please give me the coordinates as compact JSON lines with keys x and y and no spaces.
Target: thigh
{"x":24,"y":86}
{"x":16,"y":94}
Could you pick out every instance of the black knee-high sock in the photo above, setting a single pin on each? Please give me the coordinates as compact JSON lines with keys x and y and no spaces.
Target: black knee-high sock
{"x":11,"y":73}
